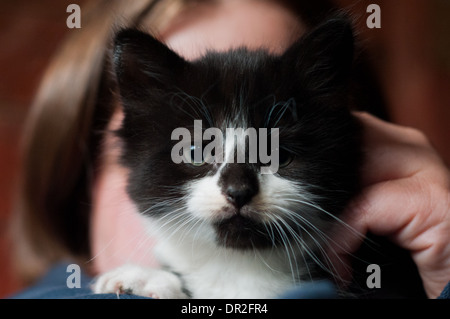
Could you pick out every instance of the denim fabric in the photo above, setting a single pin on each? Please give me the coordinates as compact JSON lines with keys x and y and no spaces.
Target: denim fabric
{"x":53,"y":286}
{"x":446,"y":292}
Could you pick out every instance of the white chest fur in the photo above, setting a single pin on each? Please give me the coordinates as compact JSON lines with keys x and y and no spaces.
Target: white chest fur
{"x":212,"y":272}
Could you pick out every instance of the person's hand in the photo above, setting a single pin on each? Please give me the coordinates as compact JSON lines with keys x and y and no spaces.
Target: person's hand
{"x":405,"y":197}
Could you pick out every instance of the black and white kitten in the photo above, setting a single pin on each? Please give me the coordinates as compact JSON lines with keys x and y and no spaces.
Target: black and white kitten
{"x":224,"y":229}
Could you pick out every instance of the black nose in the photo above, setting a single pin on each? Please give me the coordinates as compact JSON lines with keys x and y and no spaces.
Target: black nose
{"x":239,"y":184}
{"x":240,"y":195}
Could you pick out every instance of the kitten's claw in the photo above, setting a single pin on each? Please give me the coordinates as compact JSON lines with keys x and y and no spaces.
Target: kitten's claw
{"x":147,"y":282}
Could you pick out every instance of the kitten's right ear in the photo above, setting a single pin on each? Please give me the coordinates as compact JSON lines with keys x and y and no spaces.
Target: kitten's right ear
{"x":143,"y":65}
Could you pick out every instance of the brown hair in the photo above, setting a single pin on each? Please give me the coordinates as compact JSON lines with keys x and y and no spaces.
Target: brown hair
{"x":63,"y":135}
{"x":65,"y":129}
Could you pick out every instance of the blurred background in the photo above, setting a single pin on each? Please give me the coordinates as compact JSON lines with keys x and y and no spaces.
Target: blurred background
{"x":411,"y":54}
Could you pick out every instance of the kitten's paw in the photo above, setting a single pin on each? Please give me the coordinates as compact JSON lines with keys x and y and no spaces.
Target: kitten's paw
{"x":148,"y":282}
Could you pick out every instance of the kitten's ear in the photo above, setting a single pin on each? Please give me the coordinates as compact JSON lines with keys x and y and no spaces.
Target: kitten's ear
{"x":143,"y":64}
{"x":323,"y":58}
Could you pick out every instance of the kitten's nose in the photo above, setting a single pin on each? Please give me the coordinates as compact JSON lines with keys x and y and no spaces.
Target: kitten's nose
{"x":239,"y":184}
{"x":240,"y":195}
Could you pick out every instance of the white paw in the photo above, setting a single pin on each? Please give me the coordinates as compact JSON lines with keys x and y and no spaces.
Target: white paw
{"x":136,"y":280}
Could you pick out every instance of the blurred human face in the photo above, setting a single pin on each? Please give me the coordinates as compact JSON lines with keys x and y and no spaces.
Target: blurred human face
{"x":230,"y":24}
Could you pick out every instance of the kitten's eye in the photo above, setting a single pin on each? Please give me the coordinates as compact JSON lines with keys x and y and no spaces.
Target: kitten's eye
{"x":285,"y":158}
{"x":190,"y":157}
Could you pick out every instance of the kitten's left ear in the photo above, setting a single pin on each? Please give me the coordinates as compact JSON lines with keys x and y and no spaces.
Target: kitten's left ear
{"x":143,"y":64}
{"x":323,"y":58}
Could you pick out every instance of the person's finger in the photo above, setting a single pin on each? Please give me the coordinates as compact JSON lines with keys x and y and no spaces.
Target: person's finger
{"x":405,"y":197}
{"x":392,"y":151}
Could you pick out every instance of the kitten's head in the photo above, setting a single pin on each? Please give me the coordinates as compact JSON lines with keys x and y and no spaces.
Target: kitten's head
{"x":302,"y":93}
